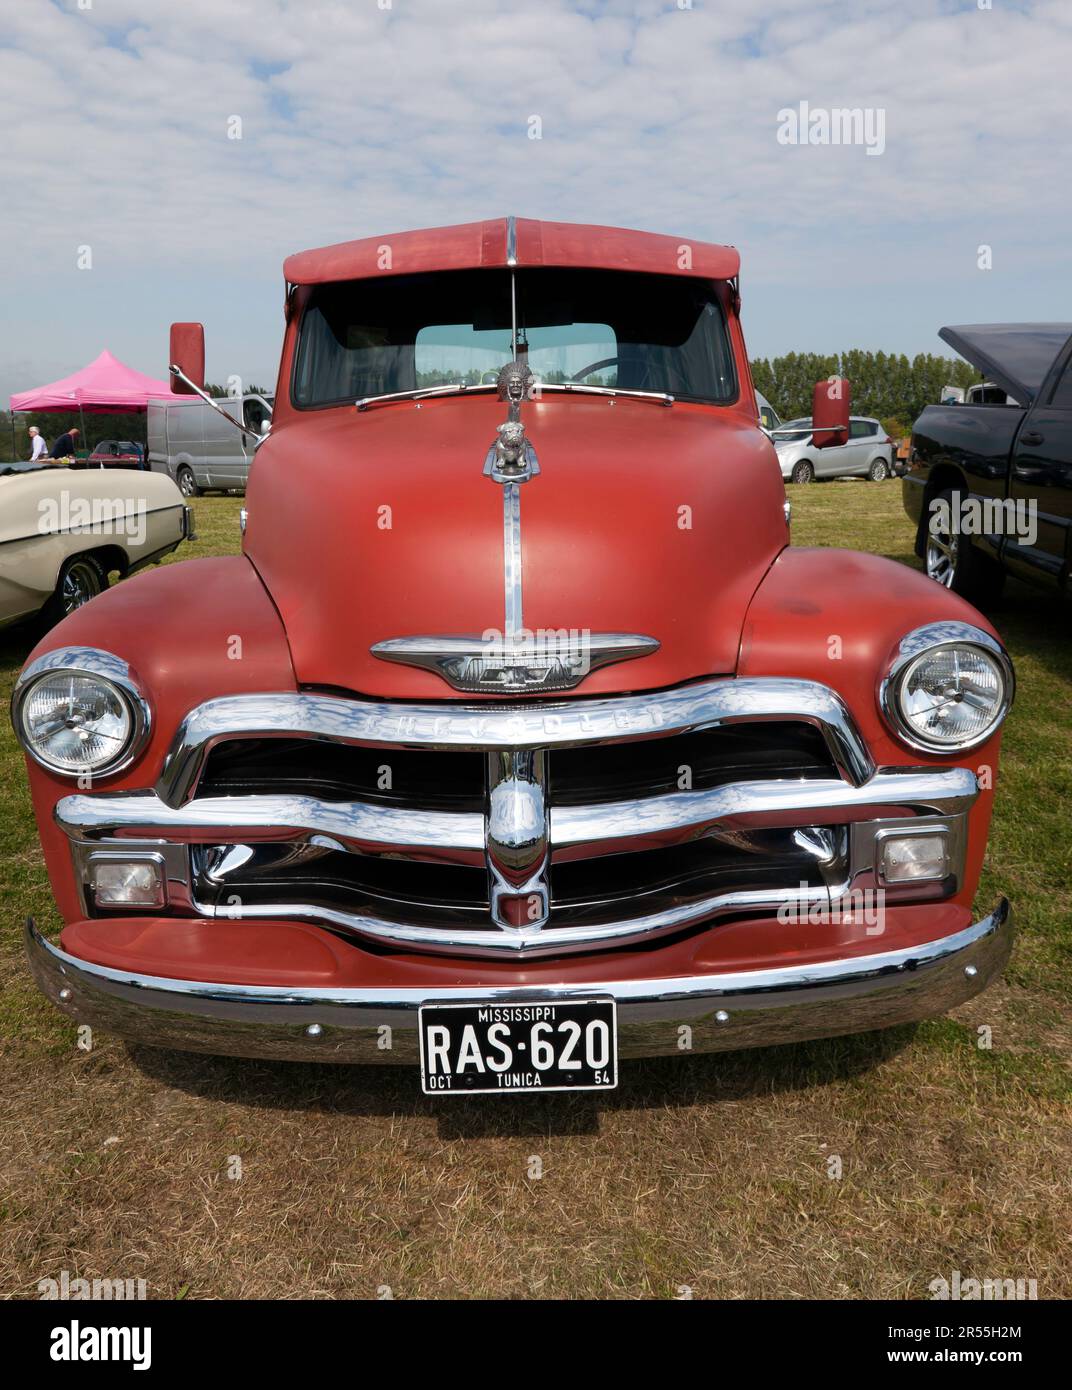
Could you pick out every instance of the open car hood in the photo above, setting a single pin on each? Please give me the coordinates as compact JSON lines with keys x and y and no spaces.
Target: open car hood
{"x":1016,"y":356}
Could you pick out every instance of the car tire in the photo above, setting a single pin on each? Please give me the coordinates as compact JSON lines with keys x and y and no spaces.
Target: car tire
{"x":879,"y":471}
{"x":954,"y":562}
{"x":187,"y":482}
{"x":803,"y":472}
{"x":81,"y":578}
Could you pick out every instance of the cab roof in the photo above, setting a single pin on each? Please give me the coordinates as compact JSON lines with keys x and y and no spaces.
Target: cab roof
{"x":508,"y":241}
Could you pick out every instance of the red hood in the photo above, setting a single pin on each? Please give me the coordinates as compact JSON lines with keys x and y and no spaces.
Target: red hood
{"x":381,"y":524}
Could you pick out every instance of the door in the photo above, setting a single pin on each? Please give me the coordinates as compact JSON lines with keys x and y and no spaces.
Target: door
{"x":256,"y":414}
{"x":840,"y":459}
{"x":1041,"y":474}
{"x":185,"y":438}
{"x":224,"y":460}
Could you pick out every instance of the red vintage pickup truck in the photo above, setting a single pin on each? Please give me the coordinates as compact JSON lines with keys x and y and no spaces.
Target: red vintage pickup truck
{"x":518,"y":739}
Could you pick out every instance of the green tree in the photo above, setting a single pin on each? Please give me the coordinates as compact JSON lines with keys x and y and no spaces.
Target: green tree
{"x":885,"y":385}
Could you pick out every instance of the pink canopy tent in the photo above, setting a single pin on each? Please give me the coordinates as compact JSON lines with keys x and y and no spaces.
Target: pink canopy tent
{"x":105,"y":385}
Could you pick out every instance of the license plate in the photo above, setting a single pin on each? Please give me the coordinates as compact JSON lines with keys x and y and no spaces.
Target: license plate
{"x":476,"y":1049}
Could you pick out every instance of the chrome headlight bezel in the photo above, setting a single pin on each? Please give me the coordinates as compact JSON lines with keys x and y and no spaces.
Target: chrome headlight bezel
{"x":94,"y":664}
{"x":934,"y":637}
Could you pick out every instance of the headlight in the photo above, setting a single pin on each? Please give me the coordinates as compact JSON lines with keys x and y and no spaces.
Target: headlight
{"x":948,"y":689}
{"x":77,"y":711}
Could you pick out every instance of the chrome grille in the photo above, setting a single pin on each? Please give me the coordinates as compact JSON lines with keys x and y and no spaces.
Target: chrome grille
{"x":533,"y":829}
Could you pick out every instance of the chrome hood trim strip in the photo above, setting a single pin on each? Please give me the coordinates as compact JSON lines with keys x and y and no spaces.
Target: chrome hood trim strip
{"x":486,"y":727}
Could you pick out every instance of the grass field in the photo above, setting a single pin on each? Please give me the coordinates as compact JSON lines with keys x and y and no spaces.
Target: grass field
{"x":710,"y":1174}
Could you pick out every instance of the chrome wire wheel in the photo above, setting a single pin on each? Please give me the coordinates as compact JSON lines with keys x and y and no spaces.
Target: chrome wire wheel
{"x":81,"y":582}
{"x":942,"y":552}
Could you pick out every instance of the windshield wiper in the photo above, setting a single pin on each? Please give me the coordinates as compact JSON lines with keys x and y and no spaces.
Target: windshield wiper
{"x":656,"y":397}
{"x":460,"y":388}
{"x":457,"y":388}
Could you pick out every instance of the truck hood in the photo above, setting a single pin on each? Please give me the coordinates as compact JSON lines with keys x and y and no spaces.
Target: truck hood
{"x":644,"y":519}
{"x":1017,"y":356}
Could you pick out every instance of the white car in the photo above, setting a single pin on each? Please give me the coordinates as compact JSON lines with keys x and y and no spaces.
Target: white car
{"x":867,"y":453}
{"x":63,"y":531}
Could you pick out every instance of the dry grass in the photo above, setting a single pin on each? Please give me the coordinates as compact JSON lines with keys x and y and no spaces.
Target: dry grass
{"x":706,"y":1173}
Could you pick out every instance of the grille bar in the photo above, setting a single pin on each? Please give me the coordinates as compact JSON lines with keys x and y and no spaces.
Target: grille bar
{"x":490,"y":727}
{"x":459,"y":837}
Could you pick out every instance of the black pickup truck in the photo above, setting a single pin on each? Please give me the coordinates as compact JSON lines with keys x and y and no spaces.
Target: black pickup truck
{"x":990,"y":486}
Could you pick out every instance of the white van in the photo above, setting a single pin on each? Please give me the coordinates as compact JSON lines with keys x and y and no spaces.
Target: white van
{"x":768,"y":416}
{"x":191,"y":442}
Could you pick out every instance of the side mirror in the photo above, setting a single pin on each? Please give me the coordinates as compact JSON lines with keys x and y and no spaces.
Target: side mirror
{"x":830,"y":405}
{"x":187,"y":352}
{"x":264,"y":426}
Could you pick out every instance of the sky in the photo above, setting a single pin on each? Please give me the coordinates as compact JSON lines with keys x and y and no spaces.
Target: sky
{"x":130,"y":201}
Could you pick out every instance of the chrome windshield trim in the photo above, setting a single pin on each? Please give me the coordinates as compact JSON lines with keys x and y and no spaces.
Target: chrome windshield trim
{"x":490,"y":726}
{"x":511,"y":241}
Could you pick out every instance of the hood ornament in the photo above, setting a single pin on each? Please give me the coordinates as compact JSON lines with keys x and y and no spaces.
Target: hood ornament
{"x":512,"y":459}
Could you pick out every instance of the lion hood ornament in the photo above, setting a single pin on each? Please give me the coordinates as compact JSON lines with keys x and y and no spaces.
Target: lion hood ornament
{"x":512,"y":459}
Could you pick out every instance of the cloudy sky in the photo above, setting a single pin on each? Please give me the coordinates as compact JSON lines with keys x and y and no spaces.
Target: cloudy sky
{"x":363,"y":117}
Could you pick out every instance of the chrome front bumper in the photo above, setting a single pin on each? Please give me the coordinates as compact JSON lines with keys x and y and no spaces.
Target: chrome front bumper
{"x":750,"y":1008}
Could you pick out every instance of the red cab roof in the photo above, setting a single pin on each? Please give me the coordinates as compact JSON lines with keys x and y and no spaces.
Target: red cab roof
{"x":512,"y":241}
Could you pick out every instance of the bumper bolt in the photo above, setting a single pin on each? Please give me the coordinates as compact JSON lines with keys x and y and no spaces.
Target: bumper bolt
{"x":971,"y":971}
{"x":722,"y":1016}
{"x":65,"y":995}
{"x":314,"y":1031}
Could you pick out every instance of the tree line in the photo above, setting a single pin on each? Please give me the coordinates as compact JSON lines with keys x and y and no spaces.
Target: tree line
{"x":889,"y":386}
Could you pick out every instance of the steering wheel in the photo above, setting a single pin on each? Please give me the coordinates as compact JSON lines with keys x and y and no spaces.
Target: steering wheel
{"x":594,"y":367}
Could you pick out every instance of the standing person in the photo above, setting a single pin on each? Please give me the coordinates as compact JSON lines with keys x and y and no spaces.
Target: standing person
{"x":65,"y":445}
{"x":38,"y":447}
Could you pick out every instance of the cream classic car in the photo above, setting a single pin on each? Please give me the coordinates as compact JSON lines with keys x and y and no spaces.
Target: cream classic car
{"x":63,"y":531}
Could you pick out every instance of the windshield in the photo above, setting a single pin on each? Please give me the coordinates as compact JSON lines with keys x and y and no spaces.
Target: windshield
{"x":607,"y":328}
{"x":792,"y":430}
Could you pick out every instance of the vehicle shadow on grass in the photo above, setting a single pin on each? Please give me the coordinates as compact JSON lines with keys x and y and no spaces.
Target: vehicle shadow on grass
{"x":17,"y":642}
{"x":1030,"y":620}
{"x":651,"y":1084}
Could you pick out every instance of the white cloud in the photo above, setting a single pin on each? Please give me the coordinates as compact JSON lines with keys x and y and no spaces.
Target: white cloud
{"x":359,"y":120}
